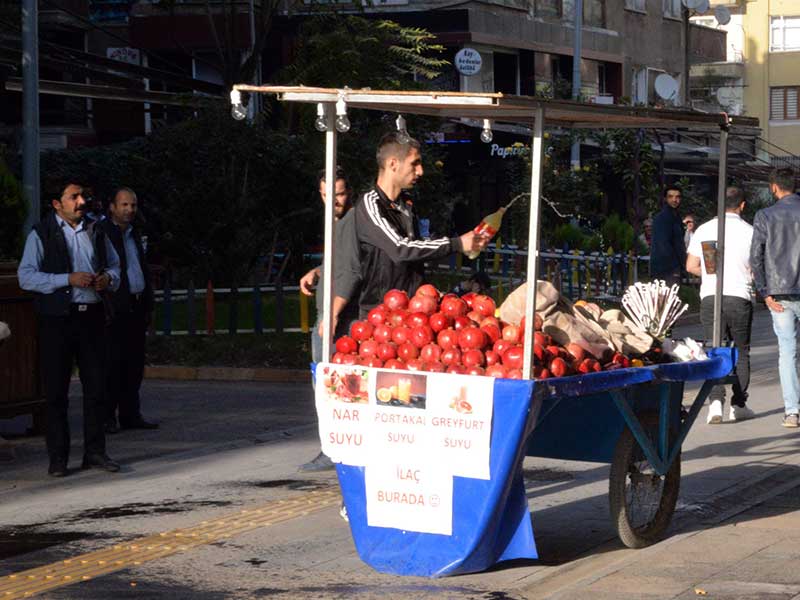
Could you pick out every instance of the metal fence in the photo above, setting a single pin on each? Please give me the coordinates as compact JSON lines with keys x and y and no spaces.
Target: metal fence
{"x":282,"y":308}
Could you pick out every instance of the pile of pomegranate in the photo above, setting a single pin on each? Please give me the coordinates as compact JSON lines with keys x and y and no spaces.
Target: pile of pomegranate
{"x":452,"y":334}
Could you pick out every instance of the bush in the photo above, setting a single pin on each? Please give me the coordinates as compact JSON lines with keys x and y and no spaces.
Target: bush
{"x":567,"y":234}
{"x":617,"y":234}
{"x":12,"y":214}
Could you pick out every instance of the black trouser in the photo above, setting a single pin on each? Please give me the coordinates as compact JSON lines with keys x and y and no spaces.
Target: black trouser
{"x":62,"y":340}
{"x":737,"y":323}
{"x":126,"y":348}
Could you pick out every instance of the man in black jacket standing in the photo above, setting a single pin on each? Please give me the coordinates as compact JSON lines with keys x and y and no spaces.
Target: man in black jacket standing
{"x":776,"y":273}
{"x":68,"y":263}
{"x":667,"y":248}
{"x":392,"y":255}
{"x":132,"y":311}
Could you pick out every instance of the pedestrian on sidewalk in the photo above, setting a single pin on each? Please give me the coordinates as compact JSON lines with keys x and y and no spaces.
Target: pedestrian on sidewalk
{"x":667,"y":248}
{"x":737,"y":298}
{"x":345,"y":282}
{"x":776,"y":271}
{"x":132,"y":310}
{"x":68,"y":263}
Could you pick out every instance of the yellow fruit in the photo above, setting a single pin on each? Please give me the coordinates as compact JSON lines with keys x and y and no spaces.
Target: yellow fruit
{"x":393,"y":391}
{"x":636,"y":363}
{"x":384,"y":394}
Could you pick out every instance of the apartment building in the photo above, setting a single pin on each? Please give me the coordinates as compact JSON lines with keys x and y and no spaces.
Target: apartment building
{"x":761,"y":74}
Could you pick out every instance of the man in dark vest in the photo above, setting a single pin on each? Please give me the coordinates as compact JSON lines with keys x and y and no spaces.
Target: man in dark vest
{"x":68,"y":263}
{"x":132,"y":310}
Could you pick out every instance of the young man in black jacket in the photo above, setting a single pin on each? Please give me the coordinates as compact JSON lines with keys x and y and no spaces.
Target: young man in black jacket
{"x":667,"y":247}
{"x":392,"y":255}
{"x":132,"y":308}
{"x":776,"y":273}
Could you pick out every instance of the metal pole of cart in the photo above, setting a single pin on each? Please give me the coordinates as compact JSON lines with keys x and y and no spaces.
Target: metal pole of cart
{"x":533,"y":240}
{"x":327,"y":258}
{"x":720,"y":259}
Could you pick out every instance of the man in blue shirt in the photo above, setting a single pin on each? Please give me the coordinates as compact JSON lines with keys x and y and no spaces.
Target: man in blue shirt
{"x":68,"y":263}
{"x":132,"y":307}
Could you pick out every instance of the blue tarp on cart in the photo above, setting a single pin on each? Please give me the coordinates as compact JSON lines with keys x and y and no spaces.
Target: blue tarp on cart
{"x":491,"y":521}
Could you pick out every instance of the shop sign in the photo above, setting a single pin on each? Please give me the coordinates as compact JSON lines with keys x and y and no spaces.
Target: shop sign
{"x":468,"y":61}
{"x":516,"y":149}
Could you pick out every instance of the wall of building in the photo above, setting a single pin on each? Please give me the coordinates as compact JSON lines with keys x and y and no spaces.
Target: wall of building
{"x":765,"y":69}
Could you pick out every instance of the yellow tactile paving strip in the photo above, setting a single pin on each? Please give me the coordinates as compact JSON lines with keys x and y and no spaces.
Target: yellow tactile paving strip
{"x":122,"y":556}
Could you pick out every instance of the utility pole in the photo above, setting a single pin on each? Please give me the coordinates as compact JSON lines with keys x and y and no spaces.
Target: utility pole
{"x":30,"y":109}
{"x":686,"y":65}
{"x":253,"y":106}
{"x":575,"y":153}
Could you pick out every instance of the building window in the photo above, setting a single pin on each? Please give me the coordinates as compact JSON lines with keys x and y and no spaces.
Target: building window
{"x":548,"y":9}
{"x":784,"y":34}
{"x":783,"y":103}
{"x":672,"y":8}
{"x":594,"y":12}
{"x":637,"y":5}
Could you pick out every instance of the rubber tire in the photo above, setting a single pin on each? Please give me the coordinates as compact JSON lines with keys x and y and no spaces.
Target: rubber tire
{"x":653,"y":531}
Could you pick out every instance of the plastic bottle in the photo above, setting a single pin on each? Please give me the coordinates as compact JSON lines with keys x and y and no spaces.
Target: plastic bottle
{"x":489,"y":226}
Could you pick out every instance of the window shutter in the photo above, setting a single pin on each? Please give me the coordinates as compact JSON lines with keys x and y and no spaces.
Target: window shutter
{"x":776,"y":104}
{"x":791,"y":103}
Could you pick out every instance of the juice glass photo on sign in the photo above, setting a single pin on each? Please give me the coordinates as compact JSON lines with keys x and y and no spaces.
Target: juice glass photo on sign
{"x":400,"y":389}
{"x":710,"y":256}
{"x":460,"y":402}
{"x":345,"y":384}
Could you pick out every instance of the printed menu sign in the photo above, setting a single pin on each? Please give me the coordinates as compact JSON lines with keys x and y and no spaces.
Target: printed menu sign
{"x":412,"y":432}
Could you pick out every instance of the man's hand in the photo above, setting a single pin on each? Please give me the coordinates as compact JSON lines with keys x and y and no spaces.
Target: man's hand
{"x":334,"y":323}
{"x":102,"y":281}
{"x":309,"y":281}
{"x":773,"y":304}
{"x":81,"y":279}
{"x":470,"y":242}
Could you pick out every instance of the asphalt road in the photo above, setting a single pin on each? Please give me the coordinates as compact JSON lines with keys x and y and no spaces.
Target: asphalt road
{"x":228,"y":447}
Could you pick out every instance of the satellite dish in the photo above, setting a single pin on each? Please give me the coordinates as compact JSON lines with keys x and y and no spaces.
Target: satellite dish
{"x":703,"y":7}
{"x":727,"y":95}
{"x":666,"y":86}
{"x":723,"y":15}
{"x":692,"y":4}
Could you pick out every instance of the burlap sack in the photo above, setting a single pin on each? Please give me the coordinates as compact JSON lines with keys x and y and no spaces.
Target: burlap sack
{"x":565,"y":323}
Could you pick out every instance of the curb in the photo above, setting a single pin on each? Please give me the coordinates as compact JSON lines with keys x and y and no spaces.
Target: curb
{"x":264,"y":375}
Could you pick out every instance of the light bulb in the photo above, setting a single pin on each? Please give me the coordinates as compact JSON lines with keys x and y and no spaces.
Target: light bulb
{"x":486,"y":134}
{"x":320,"y":123}
{"x":238,"y":111}
{"x":342,"y":124}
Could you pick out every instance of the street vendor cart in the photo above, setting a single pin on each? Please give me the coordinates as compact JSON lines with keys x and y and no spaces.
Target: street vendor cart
{"x":635,"y":416}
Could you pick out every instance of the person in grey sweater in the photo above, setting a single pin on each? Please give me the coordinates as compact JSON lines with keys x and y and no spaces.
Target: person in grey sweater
{"x":346,"y":283}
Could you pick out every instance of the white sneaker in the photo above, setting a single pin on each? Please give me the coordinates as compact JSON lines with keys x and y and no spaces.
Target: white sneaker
{"x":714,"y":413}
{"x":741,"y":413}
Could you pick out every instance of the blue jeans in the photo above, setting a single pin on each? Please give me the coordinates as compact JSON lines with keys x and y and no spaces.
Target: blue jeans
{"x":785,"y":326}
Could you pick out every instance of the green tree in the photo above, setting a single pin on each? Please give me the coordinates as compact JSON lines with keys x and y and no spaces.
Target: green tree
{"x":13,"y":211}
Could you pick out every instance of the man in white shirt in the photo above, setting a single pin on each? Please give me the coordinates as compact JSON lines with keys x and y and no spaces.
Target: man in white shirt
{"x":737,"y":297}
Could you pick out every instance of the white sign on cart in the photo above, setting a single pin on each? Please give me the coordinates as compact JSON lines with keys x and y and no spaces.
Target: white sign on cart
{"x":413,"y":432}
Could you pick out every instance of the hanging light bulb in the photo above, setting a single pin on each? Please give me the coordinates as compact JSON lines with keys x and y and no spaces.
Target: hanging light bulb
{"x":486,"y":134}
{"x":342,"y":122}
{"x":238,"y":111}
{"x":402,"y":132}
{"x":320,"y":124}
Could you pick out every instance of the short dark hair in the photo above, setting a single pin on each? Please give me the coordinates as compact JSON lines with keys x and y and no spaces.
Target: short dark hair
{"x":783,"y":178}
{"x":339,"y":175}
{"x":391,"y":147}
{"x":734,"y":196}
{"x":112,"y":199}
{"x":55,"y":189}
{"x":672,"y":187}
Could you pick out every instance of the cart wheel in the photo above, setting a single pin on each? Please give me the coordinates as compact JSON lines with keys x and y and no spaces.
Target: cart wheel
{"x":642,"y":502}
